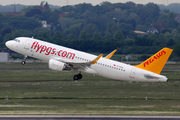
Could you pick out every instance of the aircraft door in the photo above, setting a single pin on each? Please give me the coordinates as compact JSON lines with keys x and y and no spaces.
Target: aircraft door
{"x":27,"y":45}
{"x":132,"y":73}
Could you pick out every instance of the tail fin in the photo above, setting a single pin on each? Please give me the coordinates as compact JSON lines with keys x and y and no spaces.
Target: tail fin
{"x":156,"y":62}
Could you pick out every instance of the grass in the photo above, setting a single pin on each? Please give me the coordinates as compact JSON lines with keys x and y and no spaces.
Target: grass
{"x":51,"y":92}
{"x":89,"y":107}
{"x":34,"y":65}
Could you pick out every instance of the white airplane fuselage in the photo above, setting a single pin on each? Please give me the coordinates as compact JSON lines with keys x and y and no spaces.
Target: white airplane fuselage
{"x":103,"y":67}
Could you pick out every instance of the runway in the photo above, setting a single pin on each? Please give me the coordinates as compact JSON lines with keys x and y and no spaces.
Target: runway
{"x":53,"y":70}
{"x":19,"y":70}
{"x":59,"y":117}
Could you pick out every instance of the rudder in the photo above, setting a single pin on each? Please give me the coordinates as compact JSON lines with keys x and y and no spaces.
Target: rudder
{"x":156,"y":62}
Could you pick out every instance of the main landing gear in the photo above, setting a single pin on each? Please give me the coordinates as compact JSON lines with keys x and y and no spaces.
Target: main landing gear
{"x":77,"y":77}
{"x":24,"y":61}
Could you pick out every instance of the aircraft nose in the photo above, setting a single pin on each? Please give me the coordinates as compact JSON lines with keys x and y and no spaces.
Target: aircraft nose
{"x":8,"y":44}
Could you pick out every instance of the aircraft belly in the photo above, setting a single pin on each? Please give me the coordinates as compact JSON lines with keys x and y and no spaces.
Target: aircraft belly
{"x":111,"y":73}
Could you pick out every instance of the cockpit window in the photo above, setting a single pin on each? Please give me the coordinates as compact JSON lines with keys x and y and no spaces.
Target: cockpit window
{"x":17,"y":40}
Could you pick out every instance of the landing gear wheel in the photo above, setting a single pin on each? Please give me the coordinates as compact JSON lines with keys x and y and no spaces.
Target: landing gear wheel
{"x":79,"y":76}
{"x":75,"y":77}
{"x":23,"y":62}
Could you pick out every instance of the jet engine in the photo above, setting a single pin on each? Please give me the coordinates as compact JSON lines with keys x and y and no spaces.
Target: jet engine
{"x":58,"y":66}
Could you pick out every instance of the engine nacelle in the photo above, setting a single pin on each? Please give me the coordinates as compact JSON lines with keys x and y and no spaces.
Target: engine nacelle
{"x":57,"y":65}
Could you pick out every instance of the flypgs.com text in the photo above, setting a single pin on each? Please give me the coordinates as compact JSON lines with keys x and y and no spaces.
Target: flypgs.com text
{"x":49,"y":50}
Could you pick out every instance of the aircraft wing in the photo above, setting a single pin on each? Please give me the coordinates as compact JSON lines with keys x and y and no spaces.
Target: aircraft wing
{"x":79,"y":64}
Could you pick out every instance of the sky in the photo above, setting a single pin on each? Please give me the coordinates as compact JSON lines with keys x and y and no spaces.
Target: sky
{"x":73,"y":2}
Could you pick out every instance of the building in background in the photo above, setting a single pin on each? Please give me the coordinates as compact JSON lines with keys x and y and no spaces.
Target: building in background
{"x":4,"y":57}
{"x":45,"y":25}
{"x":13,"y":13}
{"x":44,"y":5}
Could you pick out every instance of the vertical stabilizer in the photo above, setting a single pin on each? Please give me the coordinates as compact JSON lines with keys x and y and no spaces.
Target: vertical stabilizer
{"x":156,"y":62}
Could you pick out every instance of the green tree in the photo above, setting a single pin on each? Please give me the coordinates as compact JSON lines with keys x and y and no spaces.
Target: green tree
{"x":170,"y":42}
{"x":177,"y":37}
{"x":171,"y":23}
{"x":67,"y":8}
{"x":108,"y":36}
{"x":90,"y":28}
{"x":97,"y":36}
{"x":81,"y":8}
{"x":46,"y":14}
{"x":143,"y":41}
{"x":178,"y":28}
{"x":176,"y":49}
{"x":163,"y":19}
{"x":152,"y":36}
{"x":119,"y":35}
{"x":111,"y":27}
{"x":129,"y":42}
{"x":141,"y":28}
{"x":162,"y":39}
{"x":124,"y":26}
{"x":71,"y":36}
{"x":29,"y":8}
{"x":153,"y":12}
{"x":54,"y":17}
{"x":6,"y":30}
{"x":44,"y":34}
{"x":84,"y":35}
{"x":22,"y":22}
{"x":57,"y":37}
{"x":75,"y":29}
{"x":33,"y":12}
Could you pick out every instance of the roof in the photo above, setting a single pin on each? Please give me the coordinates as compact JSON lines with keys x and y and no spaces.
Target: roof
{"x":152,"y":30}
{"x":139,"y":32}
{"x":44,"y":3}
{"x":13,"y":13}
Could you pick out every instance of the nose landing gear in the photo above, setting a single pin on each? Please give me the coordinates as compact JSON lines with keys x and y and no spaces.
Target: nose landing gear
{"x":24,"y":61}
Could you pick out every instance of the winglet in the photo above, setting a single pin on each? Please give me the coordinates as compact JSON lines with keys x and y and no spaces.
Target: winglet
{"x":156,"y":62}
{"x":111,"y":54}
{"x":95,"y":60}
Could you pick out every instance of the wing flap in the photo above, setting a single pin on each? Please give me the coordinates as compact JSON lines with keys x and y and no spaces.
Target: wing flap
{"x":80,"y":64}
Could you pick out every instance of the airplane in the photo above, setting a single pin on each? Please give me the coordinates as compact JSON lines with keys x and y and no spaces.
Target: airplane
{"x":62,"y":58}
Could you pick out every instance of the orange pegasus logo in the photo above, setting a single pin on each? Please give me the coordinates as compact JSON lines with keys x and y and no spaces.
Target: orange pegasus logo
{"x":153,"y":58}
